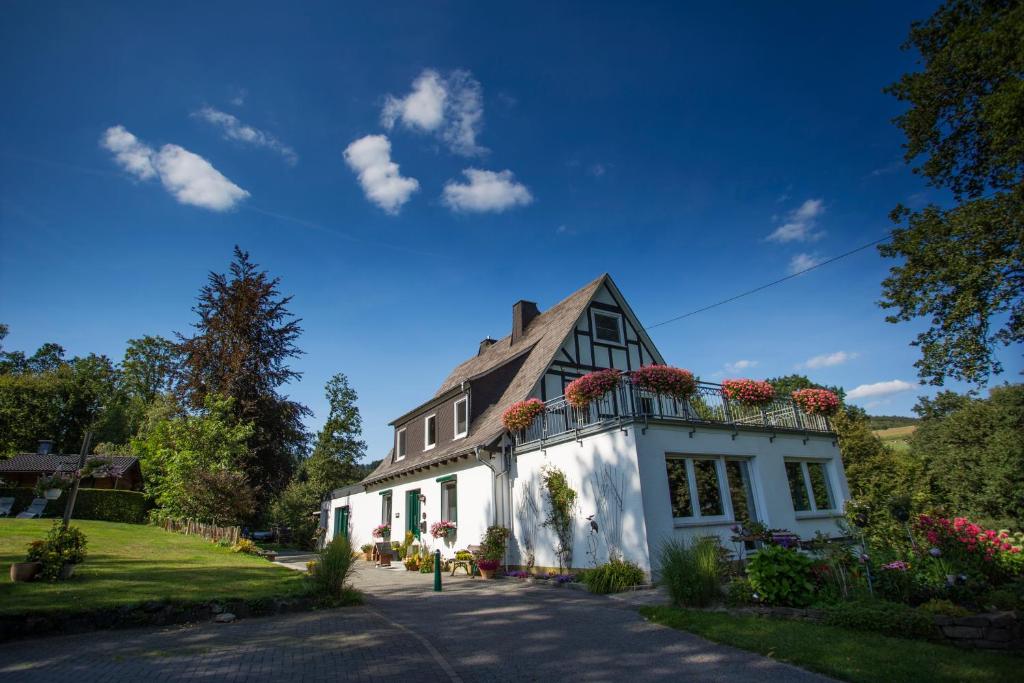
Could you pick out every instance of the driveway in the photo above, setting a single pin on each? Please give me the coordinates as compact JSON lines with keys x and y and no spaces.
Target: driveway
{"x":473,"y":631}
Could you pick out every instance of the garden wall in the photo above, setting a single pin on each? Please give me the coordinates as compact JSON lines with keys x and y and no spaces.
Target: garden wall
{"x":105,"y":505}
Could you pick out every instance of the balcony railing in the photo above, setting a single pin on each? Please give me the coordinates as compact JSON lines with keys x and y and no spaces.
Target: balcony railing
{"x":628,"y":403}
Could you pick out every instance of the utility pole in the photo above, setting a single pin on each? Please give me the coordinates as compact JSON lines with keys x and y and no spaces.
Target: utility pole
{"x":69,"y":506}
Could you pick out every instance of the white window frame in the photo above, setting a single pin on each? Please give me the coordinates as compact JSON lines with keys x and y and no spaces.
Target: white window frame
{"x":609,"y":314}
{"x":696,"y":519}
{"x":446,"y":499}
{"x":386,"y":503}
{"x":426,"y":431}
{"x":815,"y":511}
{"x":399,"y":451}
{"x":455,"y":418}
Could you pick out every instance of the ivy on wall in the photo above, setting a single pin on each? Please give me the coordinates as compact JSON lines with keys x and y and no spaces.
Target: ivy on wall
{"x":561,"y":504}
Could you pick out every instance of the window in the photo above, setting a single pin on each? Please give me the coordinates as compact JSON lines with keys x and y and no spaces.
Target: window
{"x":385,"y":509}
{"x":809,"y":486}
{"x":400,"y":444}
{"x":461,"y":417}
{"x":449,"y":501}
{"x":608,"y":327}
{"x":430,"y":432}
{"x":710,"y":489}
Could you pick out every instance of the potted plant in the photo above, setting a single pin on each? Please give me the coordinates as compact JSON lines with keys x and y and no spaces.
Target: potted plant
{"x":584,"y":390}
{"x":367,"y":552}
{"x":51,"y":486}
{"x":521,"y":414}
{"x":816,"y":401}
{"x":748,"y":392}
{"x":61,"y":552}
{"x":32,"y":566}
{"x":412,"y":563}
{"x":382,"y":531}
{"x":665,"y":379}
{"x":488,"y":568}
{"x":443,"y":529}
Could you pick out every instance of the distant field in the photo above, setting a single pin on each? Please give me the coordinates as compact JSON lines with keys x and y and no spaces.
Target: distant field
{"x":896,"y":437}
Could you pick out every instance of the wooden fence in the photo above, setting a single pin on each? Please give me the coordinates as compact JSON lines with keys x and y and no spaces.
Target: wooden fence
{"x":190,"y":527}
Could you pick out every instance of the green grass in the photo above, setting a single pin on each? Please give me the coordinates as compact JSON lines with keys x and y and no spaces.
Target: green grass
{"x":129,"y":563}
{"x":896,"y":437}
{"x":838,"y":652}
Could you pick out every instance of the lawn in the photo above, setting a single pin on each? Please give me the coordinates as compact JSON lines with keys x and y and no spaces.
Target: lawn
{"x":896,"y":437}
{"x":841,"y":653}
{"x":129,"y":563}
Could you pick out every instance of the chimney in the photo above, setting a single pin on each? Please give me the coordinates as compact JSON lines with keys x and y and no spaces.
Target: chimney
{"x":484,"y":345}
{"x":45,"y":447}
{"x":523,"y":313}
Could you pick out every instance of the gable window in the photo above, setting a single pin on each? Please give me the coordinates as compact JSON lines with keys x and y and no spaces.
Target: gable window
{"x":608,"y":327}
{"x":385,"y":508}
{"x":461,"y":417}
{"x":809,"y":486}
{"x":430,"y":432}
{"x":706,"y":489}
{"x":400,"y":444}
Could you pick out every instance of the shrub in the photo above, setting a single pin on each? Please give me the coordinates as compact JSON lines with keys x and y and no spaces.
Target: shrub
{"x":521,"y":414}
{"x":691,"y":572}
{"x":943,"y":607}
{"x":1007,"y":598}
{"x":493,"y":545}
{"x":781,"y":576}
{"x":366,"y":548}
{"x":664,"y":379}
{"x":246,"y":546}
{"x":335,"y":568}
{"x":740,"y":593}
{"x":104,"y":505}
{"x":816,"y":401}
{"x":748,"y":392}
{"x":62,"y":546}
{"x":488,"y":565}
{"x":888,"y":618}
{"x":582,"y":391}
{"x":613,"y":576}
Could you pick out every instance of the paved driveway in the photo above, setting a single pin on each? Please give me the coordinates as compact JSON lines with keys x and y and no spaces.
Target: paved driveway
{"x":473,"y":631}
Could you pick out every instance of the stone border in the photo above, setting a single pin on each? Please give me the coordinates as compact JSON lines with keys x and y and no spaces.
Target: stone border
{"x":153,"y":613}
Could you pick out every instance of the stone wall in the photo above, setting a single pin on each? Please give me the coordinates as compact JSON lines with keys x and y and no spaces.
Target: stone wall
{"x":993,"y":631}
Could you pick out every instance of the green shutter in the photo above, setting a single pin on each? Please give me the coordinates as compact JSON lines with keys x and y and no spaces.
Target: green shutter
{"x":449,"y":477}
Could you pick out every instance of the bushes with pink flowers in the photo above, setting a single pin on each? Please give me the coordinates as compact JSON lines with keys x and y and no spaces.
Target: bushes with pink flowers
{"x":816,"y":401}
{"x":665,"y":379}
{"x":748,"y":392}
{"x":584,"y":390}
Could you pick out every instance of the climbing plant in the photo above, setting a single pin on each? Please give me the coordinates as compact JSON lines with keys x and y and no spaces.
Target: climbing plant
{"x":561,"y":500}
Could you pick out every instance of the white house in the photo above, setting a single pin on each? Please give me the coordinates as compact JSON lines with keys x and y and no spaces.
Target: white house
{"x":646,"y":467}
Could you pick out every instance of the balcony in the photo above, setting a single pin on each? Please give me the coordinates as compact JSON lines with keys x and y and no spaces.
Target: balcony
{"x":629,"y":403}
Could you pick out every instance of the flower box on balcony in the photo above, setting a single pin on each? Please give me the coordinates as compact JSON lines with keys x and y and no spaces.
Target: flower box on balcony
{"x":520,"y":415}
{"x":665,"y":379}
{"x":584,"y":390}
{"x":817,"y":401}
{"x":748,"y":392}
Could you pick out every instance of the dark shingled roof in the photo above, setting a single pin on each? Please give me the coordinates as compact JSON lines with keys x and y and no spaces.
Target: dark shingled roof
{"x":37,"y":462}
{"x":536,"y":348}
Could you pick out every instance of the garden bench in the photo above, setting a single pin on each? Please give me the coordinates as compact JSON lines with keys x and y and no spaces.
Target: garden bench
{"x":5,"y":506}
{"x":468,"y":565}
{"x":383,"y":552}
{"x":33,"y":510}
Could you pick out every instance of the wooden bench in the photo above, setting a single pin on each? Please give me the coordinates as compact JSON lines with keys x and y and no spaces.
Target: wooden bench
{"x":383,"y":553}
{"x":468,"y":565}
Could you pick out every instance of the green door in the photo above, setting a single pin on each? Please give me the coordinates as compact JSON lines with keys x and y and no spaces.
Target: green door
{"x":412,"y":512}
{"x":340,"y":522}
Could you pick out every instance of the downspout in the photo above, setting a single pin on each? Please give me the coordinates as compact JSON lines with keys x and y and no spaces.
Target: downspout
{"x":494,"y":479}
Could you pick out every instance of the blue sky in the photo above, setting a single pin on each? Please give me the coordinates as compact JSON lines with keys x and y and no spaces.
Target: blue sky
{"x":409,"y":172}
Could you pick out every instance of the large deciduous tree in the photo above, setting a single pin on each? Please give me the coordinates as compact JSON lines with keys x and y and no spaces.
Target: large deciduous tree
{"x":962,"y":268}
{"x":243,"y":341}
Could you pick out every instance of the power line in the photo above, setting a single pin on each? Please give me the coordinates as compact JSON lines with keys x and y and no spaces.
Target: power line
{"x":770,"y":284}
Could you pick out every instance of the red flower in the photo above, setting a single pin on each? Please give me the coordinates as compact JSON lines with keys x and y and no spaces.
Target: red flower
{"x":590,"y":387}
{"x":664,"y":379}
{"x":521,"y":414}
{"x":816,"y":401}
{"x":749,"y":392}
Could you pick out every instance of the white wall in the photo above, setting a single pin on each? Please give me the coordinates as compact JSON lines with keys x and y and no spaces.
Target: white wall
{"x":603,"y":472}
{"x":766,"y":461}
{"x":475,"y":507}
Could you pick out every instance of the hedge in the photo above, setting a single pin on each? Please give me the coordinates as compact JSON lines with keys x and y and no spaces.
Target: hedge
{"x":105,"y":505}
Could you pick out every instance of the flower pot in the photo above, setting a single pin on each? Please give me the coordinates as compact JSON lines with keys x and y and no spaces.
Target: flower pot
{"x":368,"y":556}
{"x":25,"y":571}
{"x":67,"y":571}
{"x":52,"y":494}
{"x":487,"y":573}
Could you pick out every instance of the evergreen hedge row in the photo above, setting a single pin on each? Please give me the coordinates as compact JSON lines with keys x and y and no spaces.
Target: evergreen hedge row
{"x":105,"y":505}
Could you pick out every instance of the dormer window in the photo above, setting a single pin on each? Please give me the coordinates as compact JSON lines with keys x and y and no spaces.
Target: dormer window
{"x":400,"y":444}
{"x":608,"y":327}
{"x":430,"y":432}
{"x":461,"y":417}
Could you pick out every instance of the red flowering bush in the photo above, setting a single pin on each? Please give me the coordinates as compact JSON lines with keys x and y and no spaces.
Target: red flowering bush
{"x":521,"y":414}
{"x":665,"y":379}
{"x":961,"y":543}
{"x":816,"y":401}
{"x":582,"y":391}
{"x":748,"y":392}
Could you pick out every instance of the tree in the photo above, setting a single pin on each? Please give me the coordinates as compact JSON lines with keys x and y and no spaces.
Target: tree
{"x":193,"y":463}
{"x":244,"y":337}
{"x":962,"y":267}
{"x":787,"y":384}
{"x":147,"y":372}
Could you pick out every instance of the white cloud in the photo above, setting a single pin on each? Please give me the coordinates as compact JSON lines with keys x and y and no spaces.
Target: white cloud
{"x":234,"y":129}
{"x":894,"y":386}
{"x":827,"y":360}
{"x":379,"y":176}
{"x":193,"y":180}
{"x":190,"y":178}
{"x":802,"y":262}
{"x":740,"y":365}
{"x":451,"y":107}
{"x":485,"y":191}
{"x":800,"y":223}
{"x":132,"y":155}
{"x":597,"y":170}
